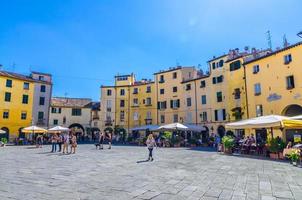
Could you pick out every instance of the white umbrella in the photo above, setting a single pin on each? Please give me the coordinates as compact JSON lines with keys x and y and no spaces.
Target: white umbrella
{"x":193,"y":127}
{"x":2,"y":131}
{"x":147,"y":127}
{"x":58,"y":129}
{"x":298,"y":117}
{"x":34,"y":129}
{"x":174,"y":126}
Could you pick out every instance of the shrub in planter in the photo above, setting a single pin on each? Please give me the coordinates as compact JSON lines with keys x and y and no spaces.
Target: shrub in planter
{"x":228,"y":143}
{"x":275,"y":146}
{"x":175,"y":141}
{"x":294,"y":156}
{"x":193,"y":142}
{"x":4,"y":140}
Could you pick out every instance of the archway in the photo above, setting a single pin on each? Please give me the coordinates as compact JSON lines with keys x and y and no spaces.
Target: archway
{"x":6,"y":134}
{"x":205,"y":135}
{"x":21,"y":134}
{"x":78,"y":129}
{"x":221,"y":131}
{"x":292,"y":110}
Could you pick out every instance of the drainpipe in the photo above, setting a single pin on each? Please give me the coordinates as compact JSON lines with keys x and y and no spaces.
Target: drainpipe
{"x":195,"y":103}
{"x":156,"y":100}
{"x":246,"y":97}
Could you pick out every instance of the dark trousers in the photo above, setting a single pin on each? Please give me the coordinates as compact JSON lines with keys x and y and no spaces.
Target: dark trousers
{"x":150,"y":152}
{"x":60,"y":146}
{"x":53,"y":147}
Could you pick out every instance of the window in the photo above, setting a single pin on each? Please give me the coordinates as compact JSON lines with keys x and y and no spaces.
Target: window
{"x":162,"y":105}
{"x":259,"y":110}
{"x":213,"y":65}
{"x":235,"y":65}
{"x":55,"y":110}
{"x":109,"y":92}
{"x":237,"y":93}
{"x":174,"y":75}
{"x":220,"y":79}
{"x":174,"y":103}
{"x":135,"y":102}
{"x":55,"y":122}
{"x":9,"y":83}
{"x":64,"y":120}
{"x":40,"y":116}
{"x":108,"y":105}
{"x":214,"y":80}
{"x":148,"y":89}
{"x":23,"y":115}
{"x":203,"y":99}
{"x":255,"y":69}
{"x":148,"y":101}
{"x":25,"y":99}
{"x":7,"y":96}
{"x":189,"y":102}
{"x":220,"y":115}
{"x":41,"y":78}
{"x":290,"y":82}
{"x":135,"y":90}
{"x":202,"y":84}
{"x":219,"y":96}
{"x":287,"y":58}
{"x":135,"y":116}
{"x":188,"y":87}
{"x":162,"y":91}
{"x":161,"y":79}
{"x":122,"y":92}
{"x":5,"y":114}
{"x":76,"y":112}
{"x":221,"y":63}
{"x":42,"y":101}
{"x":122,"y":116}
{"x":257,"y":89}
{"x":162,"y":119}
{"x":204,"y":116}
{"x":43,"y":88}
{"x":122,"y":78}
{"x":26,"y":86}
{"x":148,"y":115}
{"x":175,"y":118}
{"x":122,"y":103}
{"x":174,"y":89}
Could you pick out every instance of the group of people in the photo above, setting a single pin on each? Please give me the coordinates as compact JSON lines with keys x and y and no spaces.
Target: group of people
{"x":103,"y":137}
{"x":66,"y":139}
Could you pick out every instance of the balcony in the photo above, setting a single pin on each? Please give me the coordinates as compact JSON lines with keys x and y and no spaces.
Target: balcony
{"x":41,"y":122}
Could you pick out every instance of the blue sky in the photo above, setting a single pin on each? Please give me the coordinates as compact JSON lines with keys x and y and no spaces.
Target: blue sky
{"x":84,"y":43}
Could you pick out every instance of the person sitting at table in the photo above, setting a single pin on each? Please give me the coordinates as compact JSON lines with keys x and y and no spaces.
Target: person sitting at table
{"x":289,"y":145}
{"x":252,"y":139}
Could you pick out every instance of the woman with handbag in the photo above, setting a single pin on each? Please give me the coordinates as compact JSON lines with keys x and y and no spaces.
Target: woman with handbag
{"x":73,"y":143}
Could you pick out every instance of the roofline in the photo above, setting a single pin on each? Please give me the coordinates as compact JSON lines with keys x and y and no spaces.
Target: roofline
{"x":133,"y":85}
{"x":174,"y":69}
{"x":273,"y":53}
{"x":123,"y":75}
{"x":195,"y":79}
{"x":42,"y":73}
{"x":71,"y":98}
{"x":241,"y":56}
{"x":217,"y":58}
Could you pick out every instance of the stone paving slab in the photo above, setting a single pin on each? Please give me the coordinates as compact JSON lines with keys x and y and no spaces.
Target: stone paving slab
{"x":176,"y":174}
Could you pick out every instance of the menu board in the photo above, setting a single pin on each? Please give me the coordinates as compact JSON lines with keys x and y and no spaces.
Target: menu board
{"x":297,"y":138}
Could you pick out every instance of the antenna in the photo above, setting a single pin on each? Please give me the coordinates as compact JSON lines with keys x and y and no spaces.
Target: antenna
{"x":177,"y":63}
{"x":269,"y":39}
{"x":13,"y":66}
{"x":285,"y":42}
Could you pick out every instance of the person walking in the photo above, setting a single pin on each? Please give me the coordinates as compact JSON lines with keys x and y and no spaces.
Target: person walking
{"x":73,"y":144}
{"x":39,"y":141}
{"x":109,"y":138}
{"x":65,"y":143}
{"x":53,"y":141}
{"x":60,"y":141}
{"x":101,"y":140}
{"x":150,"y":145}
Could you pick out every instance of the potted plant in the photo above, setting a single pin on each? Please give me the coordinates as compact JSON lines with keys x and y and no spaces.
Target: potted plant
{"x":192,"y":141}
{"x":4,"y":141}
{"x":294,"y":156}
{"x":273,"y":148}
{"x":228,"y":143}
{"x":175,"y":141}
{"x":281,"y":147}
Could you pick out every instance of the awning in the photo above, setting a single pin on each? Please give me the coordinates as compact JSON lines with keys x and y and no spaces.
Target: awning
{"x":196,"y":128}
{"x":173,"y":127}
{"x":269,"y":121}
{"x":298,"y":117}
{"x":144,"y":128}
{"x":34,"y":129}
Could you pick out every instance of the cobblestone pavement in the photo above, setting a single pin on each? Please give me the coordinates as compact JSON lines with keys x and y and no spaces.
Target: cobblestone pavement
{"x":29,"y":173}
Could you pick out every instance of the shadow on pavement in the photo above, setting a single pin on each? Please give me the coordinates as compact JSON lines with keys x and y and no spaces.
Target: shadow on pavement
{"x":206,"y":149}
{"x":142,"y":161}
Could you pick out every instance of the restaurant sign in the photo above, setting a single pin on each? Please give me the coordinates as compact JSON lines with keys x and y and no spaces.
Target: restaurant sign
{"x":273,"y":97}
{"x":297,"y":138}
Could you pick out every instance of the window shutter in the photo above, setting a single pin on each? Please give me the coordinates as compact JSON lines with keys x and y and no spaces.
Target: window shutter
{"x":165,"y":104}
{"x":178,"y":103}
{"x":216,"y":115}
{"x":158,"y":105}
{"x":223,"y":114}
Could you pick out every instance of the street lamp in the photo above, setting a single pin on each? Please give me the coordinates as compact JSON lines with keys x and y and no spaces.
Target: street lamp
{"x":299,"y":34}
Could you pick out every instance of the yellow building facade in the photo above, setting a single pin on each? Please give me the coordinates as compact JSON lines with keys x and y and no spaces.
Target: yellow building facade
{"x":16,"y":103}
